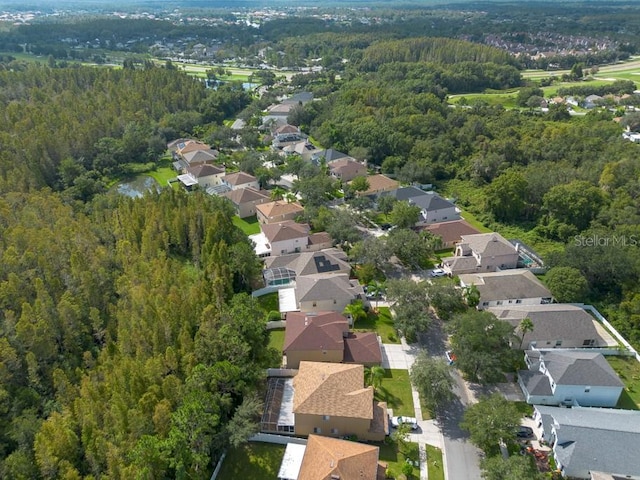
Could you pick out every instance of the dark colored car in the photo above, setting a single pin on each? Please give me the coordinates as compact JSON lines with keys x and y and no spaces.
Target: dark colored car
{"x":524,"y":432}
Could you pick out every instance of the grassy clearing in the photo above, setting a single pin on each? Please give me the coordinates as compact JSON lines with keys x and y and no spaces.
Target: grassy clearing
{"x":434,"y":463}
{"x":249,"y":225}
{"x":276,"y":338}
{"x":381,"y":323}
{"x":391,"y":455}
{"x":507,"y":100}
{"x":269,"y":302}
{"x":395,"y":389}
{"x":252,"y":460}
{"x":628,"y":369}
{"x":474,"y":222}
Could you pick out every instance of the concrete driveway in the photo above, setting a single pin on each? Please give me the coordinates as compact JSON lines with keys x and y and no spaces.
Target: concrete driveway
{"x":398,"y":356}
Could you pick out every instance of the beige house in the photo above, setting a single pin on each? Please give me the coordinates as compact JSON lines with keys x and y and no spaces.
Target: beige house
{"x":331,"y":293}
{"x":557,"y":325}
{"x":284,"y":269}
{"x":238,"y":180}
{"x":278,"y":211}
{"x":287,"y":238}
{"x":188,"y":152}
{"x":330,"y":399}
{"x":325,"y":337}
{"x":245,"y":200}
{"x":346,"y":169}
{"x":451,"y":232}
{"x":379,"y":184}
{"x":507,"y":287}
{"x":331,"y":458}
{"x":203,"y":175}
{"x":484,"y":252}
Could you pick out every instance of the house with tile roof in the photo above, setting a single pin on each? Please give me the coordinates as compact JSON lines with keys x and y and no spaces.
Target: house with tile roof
{"x":203,"y":175}
{"x":325,"y":458}
{"x":325,"y":337}
{"x":562,"y":377}
{"x":433,"y":208}
{"x":245,"y":200}
{"x":330,"y":399}
{"x":278,"y":211}
{"x":586,"y":440}
{"x":451,"y":232}
{"x":484,"y":252}
{"x":556,"y":325}
{"x":188,"y":152}
{"x":288,"y":237}
{"x":507,"y":287}
{"x":346,"y":169}
{"x":284,"y":269}
{"x":379,"y":184}
{"x":238,"y":180}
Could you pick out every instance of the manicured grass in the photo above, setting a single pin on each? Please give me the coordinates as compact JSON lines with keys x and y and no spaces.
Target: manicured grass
{"x":628,"y":369}
{"x":252,"y":460}
{"x":162,"y":175}
{"x":434,"y":463}
{"x":381,"y":323}
{"x":276,"y":338}
{"x":269,"y":302}
{"x":474,"y":222}
{"x":507,"y":100}
{"x":391,"y":455}
{"x":249,"y":225}
{"x":395,"y":389}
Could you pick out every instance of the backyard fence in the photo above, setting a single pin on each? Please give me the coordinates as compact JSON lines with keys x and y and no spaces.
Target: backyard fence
{"x":605,"y":322}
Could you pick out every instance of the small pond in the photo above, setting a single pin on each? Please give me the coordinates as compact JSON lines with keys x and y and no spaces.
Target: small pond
{"x":137,"y":187}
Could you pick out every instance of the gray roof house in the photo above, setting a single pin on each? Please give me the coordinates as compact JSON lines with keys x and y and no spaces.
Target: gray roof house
{"x":556,"y":325}
{"x":322,"y":292}
{"x":484,"y":252}
{"x":507,"y":287}
{"x":561,"y":377}
{"x":433,"y":208}
{"x":284,"y":269}
{"x":588,"y":440}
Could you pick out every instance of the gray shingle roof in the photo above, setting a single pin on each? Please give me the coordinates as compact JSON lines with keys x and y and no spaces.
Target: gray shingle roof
{"x":594,"y":438}
{"x":426,"y":200}
{"x":490,"y":244}
{"x":311,"y":263}
{"x":322,"y":287}
{"x":580,"y":368}
{"x":506,"y":284}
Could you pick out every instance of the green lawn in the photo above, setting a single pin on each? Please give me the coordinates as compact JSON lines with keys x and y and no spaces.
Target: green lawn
{"x":434,"y":463}
{"x":474,"y":222}
{"x":390,"y":454}
{"x":628,"y":369}
{"x":269,"y":302}
{"x":276,"y":338}
{"x":381,"y":323}
{"x":252,"y":460}
{"x":395,"y":389}
{"x":249,"y":225}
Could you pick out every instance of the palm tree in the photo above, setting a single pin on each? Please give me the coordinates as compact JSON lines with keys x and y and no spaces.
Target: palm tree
{"x":355,"y":310}
{"x":277,"y":193}
{"x":525,"y":326}
{"x":375,"y":375}
{"x":376,"y":289}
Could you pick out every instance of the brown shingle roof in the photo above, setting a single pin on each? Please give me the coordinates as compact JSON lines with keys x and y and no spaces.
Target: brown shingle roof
{"x":245,"y":195}
{"x":328,"y":458}
{"x":451,"y":231}
{"x":362,"y":348}
{"x":380,"y":183}
{"x":204,"y":170}
{"x":277,"y":208}
{"x":277,"y":232}
{"x":239,"y":178}
{"x":319,"y":238}
{"x":334,"y":389}
{"x":346,"y":164}
{"x":321,"y":331}
{"x":192,"y":146}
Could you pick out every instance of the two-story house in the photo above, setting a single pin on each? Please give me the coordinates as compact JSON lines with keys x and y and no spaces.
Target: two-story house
{"x":562,"y":377}
{"x":245,"y":200}
{"x":324,"y":292}
{"x":346,"y":169}
{"x":278,"y":211}
{"x":507,"y":287}
{"x":238,"y":180}
{"x":484,"y":252}
{"x":203,"y":175}
{"x":284,"y":269}
{"x":288,"y":237}
{"x":330,"y":399}
{"x":433,"y":208}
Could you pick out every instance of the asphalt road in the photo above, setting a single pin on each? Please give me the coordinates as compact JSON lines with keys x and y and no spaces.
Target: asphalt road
{"x":462,"y":458}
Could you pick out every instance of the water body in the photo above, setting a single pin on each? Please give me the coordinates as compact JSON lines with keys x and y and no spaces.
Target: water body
{"x":137,"y":187}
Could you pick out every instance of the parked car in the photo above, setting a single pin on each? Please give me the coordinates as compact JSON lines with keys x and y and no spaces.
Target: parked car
{"x":524,"y":432}
{"x":451,"y":357}
{"x":397,"y":421}
{"x":437,"y":272}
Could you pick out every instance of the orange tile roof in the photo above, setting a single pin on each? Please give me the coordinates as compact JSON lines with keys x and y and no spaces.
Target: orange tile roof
{"x":330,"y":458}
{"x":333,"y":389}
